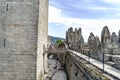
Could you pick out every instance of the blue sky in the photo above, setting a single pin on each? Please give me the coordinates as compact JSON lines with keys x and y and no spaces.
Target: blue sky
{"x":90,"y":15}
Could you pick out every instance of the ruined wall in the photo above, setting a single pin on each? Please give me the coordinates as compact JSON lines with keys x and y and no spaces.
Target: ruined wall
{"x":109,"y":45}
{"x":79,"y":69}
{"x":74,"y":39}
{"x":119,"y":36}
{"x":19,"y":33}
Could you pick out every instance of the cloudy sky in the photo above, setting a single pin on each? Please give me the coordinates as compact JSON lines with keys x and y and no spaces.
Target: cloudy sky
{"x":90,"y":15}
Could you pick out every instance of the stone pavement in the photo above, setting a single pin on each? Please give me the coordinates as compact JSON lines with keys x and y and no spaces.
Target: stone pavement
{"x":108,"y":69}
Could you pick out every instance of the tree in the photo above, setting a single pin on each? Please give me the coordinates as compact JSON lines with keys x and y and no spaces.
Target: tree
{"x":58,"y":42}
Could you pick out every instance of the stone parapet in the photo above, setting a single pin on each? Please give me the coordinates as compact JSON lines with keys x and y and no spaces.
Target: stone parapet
{"x":79,"y":69}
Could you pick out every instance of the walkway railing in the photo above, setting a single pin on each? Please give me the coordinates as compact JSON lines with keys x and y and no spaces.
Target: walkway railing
{"x":107,"y":69}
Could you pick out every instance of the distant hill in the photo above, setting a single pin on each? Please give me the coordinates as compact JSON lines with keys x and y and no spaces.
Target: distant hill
{"x":54,"y":39}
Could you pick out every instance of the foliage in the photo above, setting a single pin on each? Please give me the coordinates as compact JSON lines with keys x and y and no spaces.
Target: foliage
{"x":58,"y":42}
{"x":54,"y":39}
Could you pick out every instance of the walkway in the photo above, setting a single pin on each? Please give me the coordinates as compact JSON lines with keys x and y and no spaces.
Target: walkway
{"x":108,"y":69}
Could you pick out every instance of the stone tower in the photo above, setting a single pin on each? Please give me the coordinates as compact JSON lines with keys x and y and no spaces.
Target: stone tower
{"x":23,"y":32}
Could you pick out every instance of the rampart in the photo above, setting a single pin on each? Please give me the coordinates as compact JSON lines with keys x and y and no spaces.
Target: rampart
{"x":79,"y":69}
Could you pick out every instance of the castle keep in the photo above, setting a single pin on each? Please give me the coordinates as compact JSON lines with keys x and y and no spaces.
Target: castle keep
{"x":23,"y":32}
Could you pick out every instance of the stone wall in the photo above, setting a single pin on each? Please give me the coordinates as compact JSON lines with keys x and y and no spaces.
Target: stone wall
{"x":42,"y":37}
{"x":79,"y":69}
{"x":20,"y":29}
{"x":109,"y":45}
{"x":74,"y":39}
{"x":119,"y":36}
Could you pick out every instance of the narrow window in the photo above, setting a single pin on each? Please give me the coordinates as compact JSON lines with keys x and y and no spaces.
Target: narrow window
{"x":7,"y":7}
{"x":4,"y":42}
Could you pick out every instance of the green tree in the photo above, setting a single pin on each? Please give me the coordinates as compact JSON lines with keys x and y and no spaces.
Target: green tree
{"x":58,"y":42}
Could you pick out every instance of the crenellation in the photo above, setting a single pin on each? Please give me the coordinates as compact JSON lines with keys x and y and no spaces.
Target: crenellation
{"x":105,"y":36}
{"x":95,"y":48}
{"x":97,"y":41}
{"x":75,"y":38}
{"x":114,"y":38}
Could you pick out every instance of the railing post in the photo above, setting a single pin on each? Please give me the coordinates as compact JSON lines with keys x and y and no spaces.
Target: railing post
{"x":89,"y":55}
{"x":104,"y":52}
{"x":81,"y":53}
{"x":103,"y":61}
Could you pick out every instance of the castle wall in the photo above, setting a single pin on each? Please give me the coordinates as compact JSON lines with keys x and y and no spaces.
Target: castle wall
{"x":79,"y":69}
{"x":42,"y":36}
{"x":22,"y":24}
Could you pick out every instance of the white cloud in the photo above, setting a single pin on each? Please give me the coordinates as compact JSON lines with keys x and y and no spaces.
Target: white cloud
{"x":99,"y":8}
{"x":54,"y":14}
{"x":87,"y":25}
{"x":112,"y":1}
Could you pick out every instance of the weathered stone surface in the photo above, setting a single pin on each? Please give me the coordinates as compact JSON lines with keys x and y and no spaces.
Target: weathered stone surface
{"x":109,"y":44}
{"x":113,"y":60}
{"x":75,"y":38}
{"x":114,"y":38}
{"x":93,"y":46}
{"x":81,"y":70}
{"x":97,"y":41}
{"x":22,"y":24}
{"x":55,"y":70}
{"x":70,"y":36}
{"x":105,"y":36}
{"x":92,"y":42}
{"x":116,"y":59}
{"x":59,"y":75}
{"x":42,"y":36}
{"x":80,"y":39}
{"x":54,"y":64}
{"x":119,"y":36}
{"x":49,"y":40}
{"x":19,"y":38}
